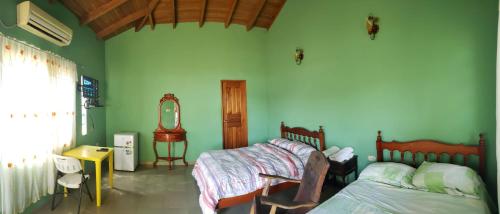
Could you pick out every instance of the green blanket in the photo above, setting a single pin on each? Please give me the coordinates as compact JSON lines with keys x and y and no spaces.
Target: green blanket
{"x":365,"y":196}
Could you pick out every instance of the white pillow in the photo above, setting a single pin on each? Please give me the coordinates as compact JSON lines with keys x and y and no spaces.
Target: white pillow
{"x":396,"y":174}
{"x":302,"y":150}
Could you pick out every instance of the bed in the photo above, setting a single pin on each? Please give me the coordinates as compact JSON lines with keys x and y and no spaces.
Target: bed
{"x":366,"y":196}
{"x":230,"y":177}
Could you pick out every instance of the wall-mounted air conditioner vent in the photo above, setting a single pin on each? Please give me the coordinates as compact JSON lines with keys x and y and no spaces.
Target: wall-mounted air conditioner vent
{"x":35,"y":20}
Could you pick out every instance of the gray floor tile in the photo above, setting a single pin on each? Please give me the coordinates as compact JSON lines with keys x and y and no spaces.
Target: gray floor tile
{"x":149,"y":190}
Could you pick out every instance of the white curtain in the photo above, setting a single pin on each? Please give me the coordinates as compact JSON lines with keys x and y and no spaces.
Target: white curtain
{"x":37,"y":119}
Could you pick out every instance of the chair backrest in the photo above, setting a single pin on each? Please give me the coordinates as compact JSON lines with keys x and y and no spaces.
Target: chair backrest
{"x":67,"y":165}
{"x":312,"y":180}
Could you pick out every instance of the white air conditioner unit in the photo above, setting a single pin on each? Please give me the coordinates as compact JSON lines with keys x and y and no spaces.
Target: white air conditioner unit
{"x":35,"y":20}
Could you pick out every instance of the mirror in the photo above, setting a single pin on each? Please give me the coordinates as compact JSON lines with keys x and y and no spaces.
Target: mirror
{"x":169,"y":114}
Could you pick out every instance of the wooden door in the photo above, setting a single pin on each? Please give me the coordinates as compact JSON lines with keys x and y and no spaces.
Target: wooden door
{"x":234,"y":114}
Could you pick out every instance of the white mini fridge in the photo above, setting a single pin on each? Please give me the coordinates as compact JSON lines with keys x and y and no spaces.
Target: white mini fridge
{"x":126,"y":151}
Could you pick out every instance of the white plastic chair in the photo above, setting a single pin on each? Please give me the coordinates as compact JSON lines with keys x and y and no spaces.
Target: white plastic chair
{"x":69,"y":175}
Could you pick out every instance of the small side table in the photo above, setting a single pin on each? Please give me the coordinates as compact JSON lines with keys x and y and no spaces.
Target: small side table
{"x":343,"y":169}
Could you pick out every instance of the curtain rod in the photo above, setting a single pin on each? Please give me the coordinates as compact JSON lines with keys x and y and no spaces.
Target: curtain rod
{"x":39,"y":49}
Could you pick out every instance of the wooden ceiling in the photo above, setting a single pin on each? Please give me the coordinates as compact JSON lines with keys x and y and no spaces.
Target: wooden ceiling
{"x":111,"y":17}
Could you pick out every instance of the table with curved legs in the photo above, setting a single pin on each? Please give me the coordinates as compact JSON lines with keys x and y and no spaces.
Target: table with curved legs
{"x":169,"y":137}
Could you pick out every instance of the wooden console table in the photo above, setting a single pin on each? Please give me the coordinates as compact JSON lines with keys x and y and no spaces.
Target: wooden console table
{"x":169,"y":128}
{"x":169,"y":137}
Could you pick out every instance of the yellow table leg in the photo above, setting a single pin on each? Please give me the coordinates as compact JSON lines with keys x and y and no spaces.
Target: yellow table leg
{"x":110,"y":176}
{"x":98,"y":182}
{"x":65,"y":192}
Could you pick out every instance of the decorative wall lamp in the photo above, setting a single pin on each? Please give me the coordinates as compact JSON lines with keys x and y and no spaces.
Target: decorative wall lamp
{"x":372,"y":26}
{"x":299,"y":56}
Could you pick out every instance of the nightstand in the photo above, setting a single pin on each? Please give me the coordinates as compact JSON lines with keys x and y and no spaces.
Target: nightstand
{"x":343,"y":169}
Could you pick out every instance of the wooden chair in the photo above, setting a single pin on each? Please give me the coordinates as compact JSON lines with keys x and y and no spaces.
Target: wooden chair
{"x":309,"y":190}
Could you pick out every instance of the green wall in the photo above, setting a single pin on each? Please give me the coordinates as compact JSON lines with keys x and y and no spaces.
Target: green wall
{"x":430,"y":73}
{"x":190,"y":62}
{"x":85,"y":50}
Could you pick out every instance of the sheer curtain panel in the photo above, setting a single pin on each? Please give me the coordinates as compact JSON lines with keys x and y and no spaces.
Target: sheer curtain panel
{"x":37,"y":119}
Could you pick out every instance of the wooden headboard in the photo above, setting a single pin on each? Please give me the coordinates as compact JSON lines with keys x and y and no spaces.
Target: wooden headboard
{"x":437,"y":148}
{"x":315,"y":139}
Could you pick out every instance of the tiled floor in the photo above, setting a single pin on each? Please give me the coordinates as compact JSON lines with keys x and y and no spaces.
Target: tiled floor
{"x":149,"y":190}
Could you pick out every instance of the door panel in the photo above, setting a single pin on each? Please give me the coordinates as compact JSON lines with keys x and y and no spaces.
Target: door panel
{"x":234,"y":114}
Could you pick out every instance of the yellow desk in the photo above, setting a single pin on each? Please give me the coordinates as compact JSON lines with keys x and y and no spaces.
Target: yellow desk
{"x":89,"y":153}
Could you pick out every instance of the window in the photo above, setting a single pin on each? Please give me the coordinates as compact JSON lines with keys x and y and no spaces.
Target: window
{"x":37,"y":119}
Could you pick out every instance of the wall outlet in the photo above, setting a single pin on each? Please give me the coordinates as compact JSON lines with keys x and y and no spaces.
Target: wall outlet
{"x":371,"y":158}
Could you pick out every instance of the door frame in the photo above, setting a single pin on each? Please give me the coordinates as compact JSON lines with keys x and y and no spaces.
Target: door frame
{"x":244,"y":122}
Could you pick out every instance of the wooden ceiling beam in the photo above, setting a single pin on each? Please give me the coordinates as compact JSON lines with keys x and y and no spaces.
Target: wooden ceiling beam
{"x":229,"y":16}
{"x":100,"y":11}
{"x":121,"y":23}
{"x":203,"y":10}
{"x":174,"y":15}
{"x":152,"y":21}
{"x":149,"y":15}
{"x":277,"y":13}
{"x":255,"y":14}
{"x":140,"y":24}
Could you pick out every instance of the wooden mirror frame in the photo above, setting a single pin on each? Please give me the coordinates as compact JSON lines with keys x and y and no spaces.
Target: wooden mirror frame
{"x":169,"y":97}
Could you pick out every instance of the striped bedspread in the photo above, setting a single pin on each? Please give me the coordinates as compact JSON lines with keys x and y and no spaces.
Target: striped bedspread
{"x":228,"y":173}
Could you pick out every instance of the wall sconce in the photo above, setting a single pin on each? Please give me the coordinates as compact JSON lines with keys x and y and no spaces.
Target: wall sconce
{"x":372,"y":26}
{"x":299,"y":56}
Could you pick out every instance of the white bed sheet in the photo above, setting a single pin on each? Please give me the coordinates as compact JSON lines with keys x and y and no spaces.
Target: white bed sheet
{"x":364,"y":196}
